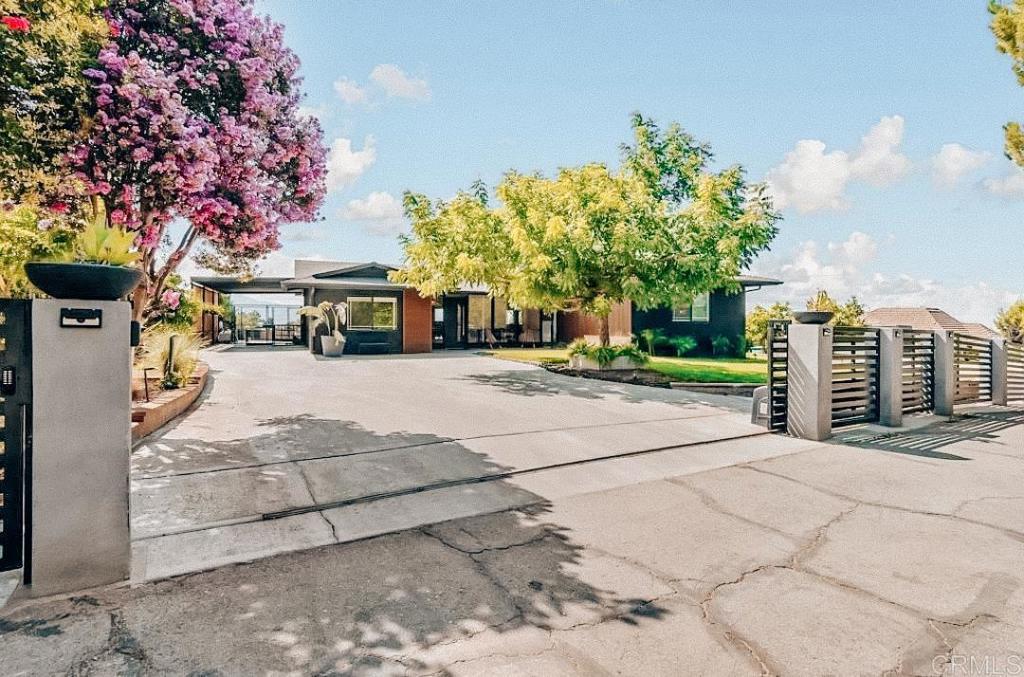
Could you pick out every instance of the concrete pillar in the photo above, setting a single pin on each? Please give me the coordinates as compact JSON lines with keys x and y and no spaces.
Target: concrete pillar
{"x":999,"y":372}
{"x":809,"y":397}
{"x":944,"y":394}
{"x":81,"y":425}
{"x":890,"y":376}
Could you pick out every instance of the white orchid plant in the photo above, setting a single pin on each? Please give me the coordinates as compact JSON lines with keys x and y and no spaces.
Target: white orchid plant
{"x":330,"y":315}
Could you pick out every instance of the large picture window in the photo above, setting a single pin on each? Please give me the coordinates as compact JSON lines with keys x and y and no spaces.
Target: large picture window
{"x":369,"y":313}
{"x":698,"y":310}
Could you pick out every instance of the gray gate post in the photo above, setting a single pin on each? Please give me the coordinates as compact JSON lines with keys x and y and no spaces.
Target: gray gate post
{"x":944,"y":389}
{"x":890,"y":376}
{"x":81,"y":425}
{"x":999,"y":380}
{"x":809,"y":400}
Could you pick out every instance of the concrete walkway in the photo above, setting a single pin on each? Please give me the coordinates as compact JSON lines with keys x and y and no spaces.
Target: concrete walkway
{"x":890,"y":554}
{"x":287,"y":452}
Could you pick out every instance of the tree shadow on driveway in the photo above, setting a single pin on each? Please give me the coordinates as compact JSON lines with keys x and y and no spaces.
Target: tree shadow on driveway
{"x":289,"y":438}
{"x":385,"y":605}
{"x":542,"y":383}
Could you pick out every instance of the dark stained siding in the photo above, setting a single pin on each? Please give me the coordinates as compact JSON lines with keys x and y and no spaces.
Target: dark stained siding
{"x":356,"y":340}
{"x":728,"y":318}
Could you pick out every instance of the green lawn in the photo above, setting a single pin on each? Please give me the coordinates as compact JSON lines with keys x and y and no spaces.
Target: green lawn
{"x":689,"y":369}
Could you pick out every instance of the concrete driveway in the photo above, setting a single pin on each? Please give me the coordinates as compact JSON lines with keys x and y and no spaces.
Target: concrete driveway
{"x":287,"y":451}
{"x":878,"y":553}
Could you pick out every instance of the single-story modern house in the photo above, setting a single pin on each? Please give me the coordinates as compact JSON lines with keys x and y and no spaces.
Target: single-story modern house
{"x":926,"y":319}
{"x":387,"y":317}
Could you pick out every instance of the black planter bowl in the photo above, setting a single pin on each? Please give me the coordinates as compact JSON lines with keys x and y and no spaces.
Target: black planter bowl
{"x":90,"y":281}
{"x":813,"y":316}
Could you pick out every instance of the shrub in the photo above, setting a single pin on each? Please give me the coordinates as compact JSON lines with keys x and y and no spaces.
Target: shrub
{"x":579,"y":347}
{"x":178,"y":367}
{"x":721,"y":345}
{"x":741,"y":346}
{"x":683,"y":344}
{"x":652,"y":338}
{"x":605,"y":355}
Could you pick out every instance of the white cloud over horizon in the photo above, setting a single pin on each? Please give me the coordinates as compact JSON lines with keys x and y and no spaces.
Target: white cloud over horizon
{"x":1009,"y":186}
{"x":845,"y":269}
{"x":396,"y":83}
{"x":345,"y":164}
{"x":809,"y":179}
{"x":349,"y":91}
{"x":381,"y":214}
{"x":954,"y":161}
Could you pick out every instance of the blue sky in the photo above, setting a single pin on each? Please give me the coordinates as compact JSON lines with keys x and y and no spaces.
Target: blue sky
{"x":429,"y":96}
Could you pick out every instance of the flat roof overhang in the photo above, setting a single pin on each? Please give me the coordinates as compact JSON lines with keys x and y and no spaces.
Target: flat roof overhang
{"x":233,"y":285}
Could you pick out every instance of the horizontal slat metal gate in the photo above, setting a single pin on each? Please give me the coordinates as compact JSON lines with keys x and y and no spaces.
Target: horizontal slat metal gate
{"x":855,"y":353}
{"x":15,"y":438}
{"x":918,"y":370}
{"x":973,"y":359}
{"x":778,"y":374}
{"x":1014,"y":372}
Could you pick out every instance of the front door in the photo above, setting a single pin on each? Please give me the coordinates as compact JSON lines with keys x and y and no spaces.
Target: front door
{"x":456,"y":316}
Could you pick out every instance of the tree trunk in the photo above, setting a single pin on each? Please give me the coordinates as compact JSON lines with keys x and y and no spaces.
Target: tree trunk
{"x":606,"y":332}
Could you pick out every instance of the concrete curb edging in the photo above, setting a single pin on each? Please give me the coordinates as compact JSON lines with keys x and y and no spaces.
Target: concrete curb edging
{"x":168,"y":405}
{"x":737,"y":389}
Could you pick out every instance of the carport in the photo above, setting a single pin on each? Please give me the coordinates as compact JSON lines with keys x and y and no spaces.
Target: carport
{"x":255,"y":323}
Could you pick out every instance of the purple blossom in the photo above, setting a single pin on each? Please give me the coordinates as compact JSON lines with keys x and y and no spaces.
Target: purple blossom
{"x":170,"y":140}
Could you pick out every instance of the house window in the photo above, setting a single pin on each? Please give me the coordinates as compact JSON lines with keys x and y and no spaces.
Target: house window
{"x":697,"y":310}
{"x":367,"y":312}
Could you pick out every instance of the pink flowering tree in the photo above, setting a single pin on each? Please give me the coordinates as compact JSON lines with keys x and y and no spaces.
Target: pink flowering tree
{"x":196,"y":122}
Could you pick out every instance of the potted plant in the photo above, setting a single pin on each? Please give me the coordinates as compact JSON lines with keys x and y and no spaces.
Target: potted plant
{"x":99,"y":266}
{"x":331,"y":316}
{"x":820,"y":310}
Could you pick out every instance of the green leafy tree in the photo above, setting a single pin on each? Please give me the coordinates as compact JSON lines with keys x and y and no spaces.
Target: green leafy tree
{"x":44,"y":95}
{"x":758,"y":319}
{"x":28,"y":233}
{"x":1008,"y":27}
{"x":661,"y":228}
{"x":1010,"y":322}
{"x":849,"y":314}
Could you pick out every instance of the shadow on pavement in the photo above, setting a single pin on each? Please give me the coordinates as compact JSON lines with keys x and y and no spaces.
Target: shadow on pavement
{"x":288,"y":438}
{"x":386,"y":605}
{"x":543,"y":383}
{"x":973,"y":427}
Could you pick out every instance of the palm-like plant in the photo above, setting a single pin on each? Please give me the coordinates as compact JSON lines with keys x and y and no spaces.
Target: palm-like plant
{"x":652,"y":338}
{"x":330,"y":315}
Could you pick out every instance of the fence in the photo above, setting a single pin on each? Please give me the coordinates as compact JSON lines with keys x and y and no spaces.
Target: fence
{"x":973,"y":359}
{"x":855,"y":355}
{"x":918,"y":372}
{"x":778,"y":373}
{"x":822,"y":377}
{"x":1014,"y":372}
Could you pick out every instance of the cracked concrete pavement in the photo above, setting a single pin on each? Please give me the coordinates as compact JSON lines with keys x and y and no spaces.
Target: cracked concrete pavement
{"x":835,"y":560}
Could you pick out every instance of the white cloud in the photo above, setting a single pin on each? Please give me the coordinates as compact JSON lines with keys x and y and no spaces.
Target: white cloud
{"x":349,"y":91}
{"x":381,"y":213}
{"x":345,"y":164}
{"x":878,"y":160}
{"x":396,"y":83}
{"x":1009,"y":186}
{"x":811,"y":179}
{"x":953,"y":161}
{"x":844,"y":269}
